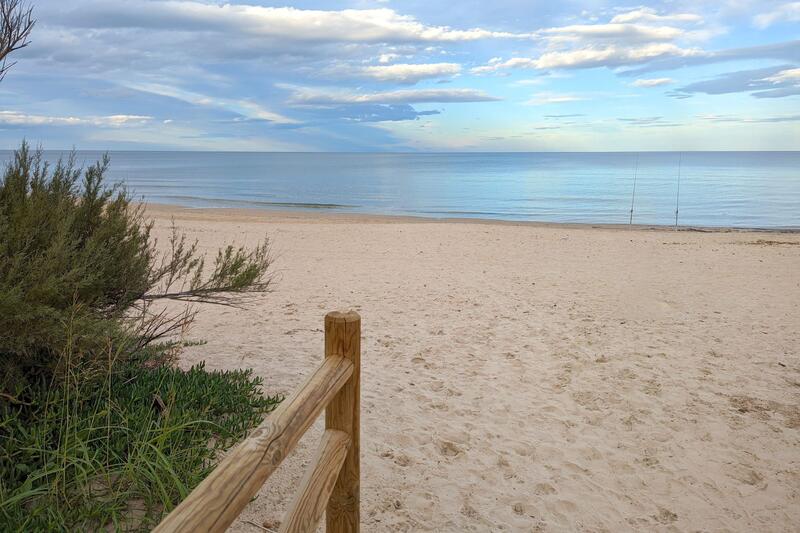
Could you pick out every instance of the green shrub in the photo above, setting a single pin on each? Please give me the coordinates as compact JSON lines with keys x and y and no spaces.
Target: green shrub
{"x":66,"y":257}
{"x":79,"y":273}
{"x":120,"y":454}
{"x":96,"y":431}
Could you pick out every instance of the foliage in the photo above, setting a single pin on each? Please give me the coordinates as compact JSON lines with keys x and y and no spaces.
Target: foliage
{"x":78,"y":268}
{"x":96,"y":431}
{"x":83,"y":457}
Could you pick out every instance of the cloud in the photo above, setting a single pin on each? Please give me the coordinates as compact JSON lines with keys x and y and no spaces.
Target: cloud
{"x":652,"y":82}
{"x":649,"y":122}
{"x":292,"y":24}
{"x":201,"y":43}
{"x":367,"y":113}
{"x":782,"y":51}
{"x":608,"y":56}
{"x":647,"y":14}
{"x":788,"y":12}
{"x":791,"y":76}
{"x":321,"y":75}
{"x":410,"y":73}
{"x":245,"y":108}
{"x":545,"y":98}
{"x":383,"y":59}
{"x":310,"y":96}
{"x":15,"y":118}
{"x":750,"y":120}
{"x":629,"y":39}
{"x":770,"y":82}
{"x":531,"y":81}
{"x":629,"y":32}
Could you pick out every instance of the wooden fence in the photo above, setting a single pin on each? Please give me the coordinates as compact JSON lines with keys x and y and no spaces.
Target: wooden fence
{"x":331,"y":483}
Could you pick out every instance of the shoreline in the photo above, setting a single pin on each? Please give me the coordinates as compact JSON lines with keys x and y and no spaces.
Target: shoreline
{"x":251,"y":214}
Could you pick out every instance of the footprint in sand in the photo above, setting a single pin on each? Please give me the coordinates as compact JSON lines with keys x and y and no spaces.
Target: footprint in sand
{"x":543,"y":489}
{"x":745,"y":475}
{"x":563,"y":378}
{"x":402,"y":460}
{"x":448,"y":449}
{"x":665,"y":516}
{"x":399,"y":459}
{"x":648,"y":460}
{"x":470,"y":512}
{"x":386,"y":341}
{"x":653,"y":387}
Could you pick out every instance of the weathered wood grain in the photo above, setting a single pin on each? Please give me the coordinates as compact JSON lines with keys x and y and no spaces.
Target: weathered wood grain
{"x":311,"y":500}
{"x":343,"y":339}
{"x":218,"y":499}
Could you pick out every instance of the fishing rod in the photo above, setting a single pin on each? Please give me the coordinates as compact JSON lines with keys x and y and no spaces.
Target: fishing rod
{"x":678,"y":193}
{"x":633,"y":193}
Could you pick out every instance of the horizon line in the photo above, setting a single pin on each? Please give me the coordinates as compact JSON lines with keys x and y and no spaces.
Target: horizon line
{"x":387,"y":152}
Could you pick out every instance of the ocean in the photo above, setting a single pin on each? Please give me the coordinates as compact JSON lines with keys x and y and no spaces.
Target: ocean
{"x":710,"y":189}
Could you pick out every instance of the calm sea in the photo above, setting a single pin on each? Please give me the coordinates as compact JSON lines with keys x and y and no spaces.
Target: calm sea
{"x":741,"y":189}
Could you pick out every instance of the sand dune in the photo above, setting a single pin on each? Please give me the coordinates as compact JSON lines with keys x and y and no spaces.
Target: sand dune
{"x":535,"y":378}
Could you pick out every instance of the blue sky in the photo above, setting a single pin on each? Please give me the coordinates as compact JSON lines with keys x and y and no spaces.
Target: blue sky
{"x":505,"y":75}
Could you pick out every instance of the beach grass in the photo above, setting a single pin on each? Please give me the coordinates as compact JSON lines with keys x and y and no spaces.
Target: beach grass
{"x":123,"y":452}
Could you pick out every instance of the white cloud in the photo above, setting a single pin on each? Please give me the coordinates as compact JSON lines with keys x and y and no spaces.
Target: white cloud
{"x":608,"y":56}
{"x":410,"y":73}
{"x":652,"y":82}
{"x":786,"y":51}
{"x":788,"y":12}
{"x":383,"y":59}
{"x":750,"y":120}
{"x":631,"y":32}
{"x":649,"y":122}
{"x":646,"y":14}
{"x":545,"y":98}
{"x":791,"y":75}
{"x":246,"y":108}
{"x":17,"y":118}
{"x":530,"y":81}
{"x":314,"y":97}
{"x":348,"y":25}
{"x":514,"y":62}
{"x":630,"y":38}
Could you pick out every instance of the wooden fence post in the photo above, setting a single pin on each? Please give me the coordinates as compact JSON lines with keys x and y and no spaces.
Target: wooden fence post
{"x":343,"y":338}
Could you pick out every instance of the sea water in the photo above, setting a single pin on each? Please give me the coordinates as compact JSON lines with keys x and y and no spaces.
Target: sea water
{"x":736,"y":189}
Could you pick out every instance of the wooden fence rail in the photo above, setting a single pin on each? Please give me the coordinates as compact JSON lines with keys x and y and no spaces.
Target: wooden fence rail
{"x":331,"y":483}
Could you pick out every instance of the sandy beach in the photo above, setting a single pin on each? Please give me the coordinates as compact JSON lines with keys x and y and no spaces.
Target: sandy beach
{"x":521,"y":377}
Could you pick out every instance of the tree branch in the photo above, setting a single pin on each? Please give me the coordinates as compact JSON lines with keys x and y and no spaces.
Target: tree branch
{"x":16,"y":23}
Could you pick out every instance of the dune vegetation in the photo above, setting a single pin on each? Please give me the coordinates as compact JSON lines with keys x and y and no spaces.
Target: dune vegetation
{"x":98,"y":427}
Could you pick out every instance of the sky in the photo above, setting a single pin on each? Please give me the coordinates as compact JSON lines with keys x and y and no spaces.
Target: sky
{"x":418,"y":75}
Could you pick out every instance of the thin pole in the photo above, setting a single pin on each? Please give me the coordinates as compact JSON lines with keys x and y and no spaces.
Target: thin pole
{"x":633,"y":194}
{"x":678,"y":193}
